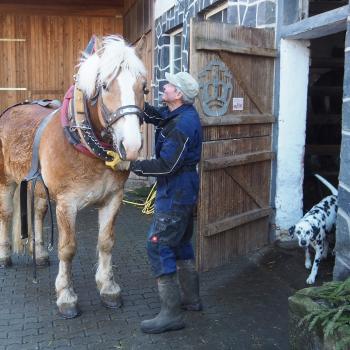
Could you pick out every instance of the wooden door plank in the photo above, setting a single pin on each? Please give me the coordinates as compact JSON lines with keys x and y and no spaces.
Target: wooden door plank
{"x":236,"y":220}
{"x":232,"y":119}
{"x":234,"y":46}
{"x":225,"y":162}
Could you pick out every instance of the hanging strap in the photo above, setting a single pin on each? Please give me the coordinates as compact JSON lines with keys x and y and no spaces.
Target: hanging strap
{"x":33,"y":176}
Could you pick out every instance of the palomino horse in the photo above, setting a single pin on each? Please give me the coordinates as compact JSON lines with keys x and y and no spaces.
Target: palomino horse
{"x":111,"y":81}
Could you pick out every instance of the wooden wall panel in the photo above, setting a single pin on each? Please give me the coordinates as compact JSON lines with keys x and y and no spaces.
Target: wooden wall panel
{"x":44,"y":63}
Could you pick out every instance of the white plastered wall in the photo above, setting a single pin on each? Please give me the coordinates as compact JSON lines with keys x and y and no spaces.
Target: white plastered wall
{"x":294,"y":71}
{"x":161,"y":6}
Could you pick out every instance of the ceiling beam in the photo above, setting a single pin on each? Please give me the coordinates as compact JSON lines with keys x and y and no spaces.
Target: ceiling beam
{"x":324,"y":24}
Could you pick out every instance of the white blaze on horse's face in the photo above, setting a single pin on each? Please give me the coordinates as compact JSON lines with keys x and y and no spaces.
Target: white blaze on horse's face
{"x":126,"y":131}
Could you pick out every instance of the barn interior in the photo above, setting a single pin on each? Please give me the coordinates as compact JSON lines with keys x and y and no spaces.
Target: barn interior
{"x":325,"y":93}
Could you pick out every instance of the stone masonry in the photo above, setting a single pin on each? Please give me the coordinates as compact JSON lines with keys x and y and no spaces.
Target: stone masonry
{"x":342,"y":262}
{"x":250,"y":13}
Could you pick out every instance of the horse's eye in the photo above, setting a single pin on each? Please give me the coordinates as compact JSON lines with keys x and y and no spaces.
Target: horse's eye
{"x":145,"y":90}
{"x":104,"y":86}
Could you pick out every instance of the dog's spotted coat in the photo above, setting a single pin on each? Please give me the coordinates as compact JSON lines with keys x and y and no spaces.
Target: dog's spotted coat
{"x":313,"y":228}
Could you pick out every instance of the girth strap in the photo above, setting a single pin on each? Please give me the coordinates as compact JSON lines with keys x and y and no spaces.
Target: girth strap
{"x":33,"y":176}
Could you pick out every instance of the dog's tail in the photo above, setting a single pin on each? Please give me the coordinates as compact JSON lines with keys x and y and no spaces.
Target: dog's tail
{"x":329,"y":185}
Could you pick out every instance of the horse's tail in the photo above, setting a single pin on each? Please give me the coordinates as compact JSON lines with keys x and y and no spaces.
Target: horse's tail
{"x":17,"y":242}
{"x":328,"y":184}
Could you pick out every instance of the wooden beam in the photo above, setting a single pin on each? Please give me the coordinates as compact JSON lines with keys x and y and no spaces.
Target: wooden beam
{"x":324,"y":119}
{"x":326,"y":90}
{"x":60,"y":10}
{"x":233,"y":46}
{"x":241,"y":159}
{"x":232,"y":119}
{"x":326,"y":23}
{"x":322,"y":150}
{"x":235,"y":221}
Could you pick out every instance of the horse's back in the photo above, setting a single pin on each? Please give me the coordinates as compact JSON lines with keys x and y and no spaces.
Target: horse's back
{"x":17,"y":131}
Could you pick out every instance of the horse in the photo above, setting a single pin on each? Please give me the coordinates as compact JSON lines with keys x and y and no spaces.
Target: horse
{"x":109,"y":94}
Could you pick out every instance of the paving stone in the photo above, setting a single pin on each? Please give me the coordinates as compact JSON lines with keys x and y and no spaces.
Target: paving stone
{"x":245,"y":304}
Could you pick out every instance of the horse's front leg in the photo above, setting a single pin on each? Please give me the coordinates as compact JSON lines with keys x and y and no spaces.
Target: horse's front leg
{"x":109,"y":290}
{"x":67,"y":300}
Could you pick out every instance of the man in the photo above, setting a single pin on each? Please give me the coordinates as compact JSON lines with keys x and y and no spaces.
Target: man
{"x":169,"y":248}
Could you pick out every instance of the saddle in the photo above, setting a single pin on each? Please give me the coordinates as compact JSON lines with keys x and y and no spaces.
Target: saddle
{"x":54,"y":104}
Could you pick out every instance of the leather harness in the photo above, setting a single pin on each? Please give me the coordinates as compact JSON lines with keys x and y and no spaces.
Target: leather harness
{"x":33,"y":176}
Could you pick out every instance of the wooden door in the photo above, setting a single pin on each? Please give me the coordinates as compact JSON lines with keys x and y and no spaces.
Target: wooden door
{"x":235,"y":170}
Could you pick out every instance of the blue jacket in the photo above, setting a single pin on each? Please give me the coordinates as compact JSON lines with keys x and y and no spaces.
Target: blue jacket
{"x":178,"y":146}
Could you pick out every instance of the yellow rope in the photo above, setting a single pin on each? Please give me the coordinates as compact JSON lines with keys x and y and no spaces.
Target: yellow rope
{"x":148,"y":205}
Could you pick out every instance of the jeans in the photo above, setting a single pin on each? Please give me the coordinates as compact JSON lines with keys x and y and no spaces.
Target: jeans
{"x":169,"y":239}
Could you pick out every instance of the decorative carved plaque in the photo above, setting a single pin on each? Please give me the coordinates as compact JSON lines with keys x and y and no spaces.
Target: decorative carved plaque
{"x":215,"y":88}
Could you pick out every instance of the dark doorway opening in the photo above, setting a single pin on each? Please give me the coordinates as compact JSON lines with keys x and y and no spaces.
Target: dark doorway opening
{"x":323,"y":129}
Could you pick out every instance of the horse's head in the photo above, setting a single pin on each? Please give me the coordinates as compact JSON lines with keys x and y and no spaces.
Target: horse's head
{"x":114,"y":76}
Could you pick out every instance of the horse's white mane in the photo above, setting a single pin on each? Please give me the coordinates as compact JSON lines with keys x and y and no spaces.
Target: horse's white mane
{"x":104,"y":65}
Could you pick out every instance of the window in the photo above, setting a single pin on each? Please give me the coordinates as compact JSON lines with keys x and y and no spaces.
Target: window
{"x":219,"y":14}
{"x":175,"y":51}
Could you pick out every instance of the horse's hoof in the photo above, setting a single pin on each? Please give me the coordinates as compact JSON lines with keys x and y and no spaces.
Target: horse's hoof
{"x":68,"y":311}
{"x":111,"y":301}
{"x":42,"y":262}
{"x":5,"y":262}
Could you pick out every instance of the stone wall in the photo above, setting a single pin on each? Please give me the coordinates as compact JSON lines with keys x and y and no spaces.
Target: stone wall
{"x":342,"y":260}
{"x":251,"y":13}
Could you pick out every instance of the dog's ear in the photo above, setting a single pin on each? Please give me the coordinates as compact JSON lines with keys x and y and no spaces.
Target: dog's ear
{"x":291,"y":231}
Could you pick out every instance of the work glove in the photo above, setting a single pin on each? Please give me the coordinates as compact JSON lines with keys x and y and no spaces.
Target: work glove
{"x":116,"y":163}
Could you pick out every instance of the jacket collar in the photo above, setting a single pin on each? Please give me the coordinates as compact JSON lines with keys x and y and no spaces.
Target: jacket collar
{"x":168,"y":115}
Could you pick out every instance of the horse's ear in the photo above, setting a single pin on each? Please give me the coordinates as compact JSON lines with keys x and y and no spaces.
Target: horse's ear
{"x":140,"y":45}
{"x":98,"y":43}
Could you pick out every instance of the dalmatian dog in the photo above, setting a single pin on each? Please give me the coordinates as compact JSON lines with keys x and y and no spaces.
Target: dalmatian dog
{"x":313,"y":228}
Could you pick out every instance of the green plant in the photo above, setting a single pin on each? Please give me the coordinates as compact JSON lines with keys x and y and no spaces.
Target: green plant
{"x":333,"y":312}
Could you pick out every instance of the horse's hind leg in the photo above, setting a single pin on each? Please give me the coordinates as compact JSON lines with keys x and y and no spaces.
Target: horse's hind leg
{"x":67,"y":300}
{"x":42,"y":256}
{"x":109,"y":290}
{"x":6,"y":210}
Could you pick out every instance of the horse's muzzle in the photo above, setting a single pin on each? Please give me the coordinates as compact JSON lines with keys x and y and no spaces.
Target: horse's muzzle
{"x":128,"y":153}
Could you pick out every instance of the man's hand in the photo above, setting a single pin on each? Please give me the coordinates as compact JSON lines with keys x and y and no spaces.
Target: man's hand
{"x":116,"y":163}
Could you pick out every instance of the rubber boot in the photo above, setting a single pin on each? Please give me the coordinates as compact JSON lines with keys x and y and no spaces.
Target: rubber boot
{"x":170,"y":316}
{"x":189,"y":285}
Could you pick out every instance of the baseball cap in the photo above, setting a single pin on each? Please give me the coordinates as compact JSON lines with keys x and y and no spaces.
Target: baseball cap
{"x":184,"y":82}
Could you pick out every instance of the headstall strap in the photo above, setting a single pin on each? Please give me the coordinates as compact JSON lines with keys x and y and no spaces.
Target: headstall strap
{"x":112,"y":117}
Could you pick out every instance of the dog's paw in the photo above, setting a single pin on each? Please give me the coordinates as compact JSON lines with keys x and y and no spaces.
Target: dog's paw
{"x":308,"y":264}
{"x":310,"y":280}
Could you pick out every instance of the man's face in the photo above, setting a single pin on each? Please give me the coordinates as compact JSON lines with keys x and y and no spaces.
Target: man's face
{"x":170,"y":94}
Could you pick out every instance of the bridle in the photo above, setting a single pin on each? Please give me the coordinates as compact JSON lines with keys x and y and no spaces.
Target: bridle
{"x":112,"y":117}
{"x":81,"y":132}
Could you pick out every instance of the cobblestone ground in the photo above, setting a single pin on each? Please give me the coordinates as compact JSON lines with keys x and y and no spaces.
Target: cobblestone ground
{"x":245,"y":302}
